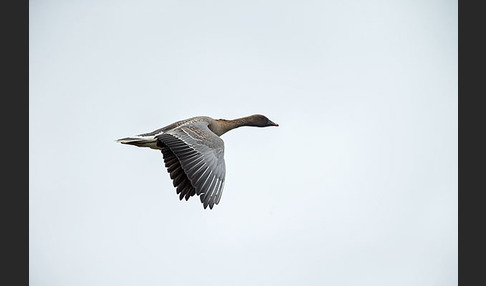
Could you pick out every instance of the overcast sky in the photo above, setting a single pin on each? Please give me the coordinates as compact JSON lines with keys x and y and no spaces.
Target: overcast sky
{"x":357,"y":186}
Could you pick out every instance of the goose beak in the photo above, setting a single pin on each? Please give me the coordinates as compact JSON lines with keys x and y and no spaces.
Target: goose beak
{"x":271,"y":123}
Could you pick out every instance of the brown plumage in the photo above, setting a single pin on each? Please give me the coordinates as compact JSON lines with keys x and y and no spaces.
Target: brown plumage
{"x":194,"y":154}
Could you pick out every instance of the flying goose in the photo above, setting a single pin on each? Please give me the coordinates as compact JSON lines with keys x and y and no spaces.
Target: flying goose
{"x":194,"y":153}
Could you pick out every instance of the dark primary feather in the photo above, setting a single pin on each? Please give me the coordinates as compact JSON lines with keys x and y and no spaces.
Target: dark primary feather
{"x":180,"y":180}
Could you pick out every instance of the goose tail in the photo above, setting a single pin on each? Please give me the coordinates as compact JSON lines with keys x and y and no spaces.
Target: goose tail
{"x":140,"y":141}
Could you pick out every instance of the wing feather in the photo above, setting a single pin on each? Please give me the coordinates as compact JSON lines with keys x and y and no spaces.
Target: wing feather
{"x":200,"y":157}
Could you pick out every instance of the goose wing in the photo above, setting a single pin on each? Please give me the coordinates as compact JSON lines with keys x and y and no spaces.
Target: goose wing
{"x":200,"y":153}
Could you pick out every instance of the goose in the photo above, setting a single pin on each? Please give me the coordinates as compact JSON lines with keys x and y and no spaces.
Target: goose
{"x":193,"y":153}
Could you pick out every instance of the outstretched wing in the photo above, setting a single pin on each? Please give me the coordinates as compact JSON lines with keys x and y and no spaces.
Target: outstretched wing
{"x":200,"y":153}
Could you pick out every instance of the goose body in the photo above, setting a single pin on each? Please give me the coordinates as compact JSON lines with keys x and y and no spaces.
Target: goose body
{"x":193,"y":153}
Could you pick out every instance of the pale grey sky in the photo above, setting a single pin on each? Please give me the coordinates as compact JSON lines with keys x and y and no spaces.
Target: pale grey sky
{"x":358,"y":185}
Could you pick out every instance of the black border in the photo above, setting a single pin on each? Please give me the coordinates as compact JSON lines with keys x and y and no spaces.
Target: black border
{"x":470,"y":143}
{"x":15,"y":124}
